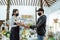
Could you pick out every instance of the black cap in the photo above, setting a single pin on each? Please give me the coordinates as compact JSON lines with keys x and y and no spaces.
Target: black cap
{"x":40,"y":9}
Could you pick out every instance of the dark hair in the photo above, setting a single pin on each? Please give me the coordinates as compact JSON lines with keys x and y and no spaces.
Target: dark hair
{"x":40,"y":9}
{"x":14,"y":10}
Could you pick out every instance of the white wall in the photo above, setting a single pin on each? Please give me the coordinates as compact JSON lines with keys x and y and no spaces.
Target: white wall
{"x":2,"y":12}
{"x":23,"y":10}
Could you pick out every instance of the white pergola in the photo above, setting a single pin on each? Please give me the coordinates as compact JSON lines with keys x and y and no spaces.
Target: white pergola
{"x":27,"y":2}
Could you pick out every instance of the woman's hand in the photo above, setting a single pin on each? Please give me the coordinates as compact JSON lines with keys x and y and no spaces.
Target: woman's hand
{"x":24,"y":25}
{"x":20,"y":24}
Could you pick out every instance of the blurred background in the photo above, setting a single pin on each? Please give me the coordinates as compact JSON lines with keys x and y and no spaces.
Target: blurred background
{"x":27,"y":11}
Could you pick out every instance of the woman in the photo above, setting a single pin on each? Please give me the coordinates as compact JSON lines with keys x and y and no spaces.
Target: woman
{"x":14,"y":35}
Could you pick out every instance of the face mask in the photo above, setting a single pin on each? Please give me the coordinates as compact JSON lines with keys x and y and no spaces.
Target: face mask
{"x":39,"y":14}
{"x":17,"y":14}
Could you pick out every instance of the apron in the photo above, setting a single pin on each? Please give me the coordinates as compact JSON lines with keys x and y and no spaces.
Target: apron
{"x":14,"y":35}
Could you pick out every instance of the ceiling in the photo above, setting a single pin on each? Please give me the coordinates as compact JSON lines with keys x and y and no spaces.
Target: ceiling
{"x":27,"y":2}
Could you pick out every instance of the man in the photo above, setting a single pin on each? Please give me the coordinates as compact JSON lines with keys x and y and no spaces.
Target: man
{"x":40,"y":25}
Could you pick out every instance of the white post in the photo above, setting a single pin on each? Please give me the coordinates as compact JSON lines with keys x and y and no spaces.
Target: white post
{"x":35,"y":15}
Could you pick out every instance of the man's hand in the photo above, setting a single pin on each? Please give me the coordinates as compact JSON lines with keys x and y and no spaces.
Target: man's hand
{"x":27,"y":26}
